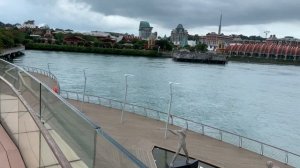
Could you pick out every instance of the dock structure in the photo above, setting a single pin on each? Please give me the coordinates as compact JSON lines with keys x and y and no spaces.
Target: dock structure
{"x":11,"y":53}
{"x":197,"y":57}
{"x":140,"y":133}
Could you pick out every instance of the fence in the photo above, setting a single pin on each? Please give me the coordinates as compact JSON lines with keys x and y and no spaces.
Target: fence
{"x":82,"y":142}
{"x":37,"y":147}
{"x":258,"y":147}
{"x":43,"y":72}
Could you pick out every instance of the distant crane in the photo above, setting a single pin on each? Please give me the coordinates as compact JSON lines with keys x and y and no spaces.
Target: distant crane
{"x":267,"y":32}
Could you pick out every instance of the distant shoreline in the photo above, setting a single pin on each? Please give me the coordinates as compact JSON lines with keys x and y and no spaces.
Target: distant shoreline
{"x":82,"y":49}
{"x":145,"y":53}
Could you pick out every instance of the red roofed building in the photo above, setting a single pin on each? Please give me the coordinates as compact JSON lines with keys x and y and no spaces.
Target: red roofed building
{"x":74,"y":40}
{"x":287,"y":48}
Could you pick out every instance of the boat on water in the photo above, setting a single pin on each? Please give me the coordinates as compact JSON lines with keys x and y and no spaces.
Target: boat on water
{"x":199,"y":57}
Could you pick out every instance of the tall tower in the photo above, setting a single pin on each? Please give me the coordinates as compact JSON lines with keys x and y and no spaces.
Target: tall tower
{"x":220,"y":25}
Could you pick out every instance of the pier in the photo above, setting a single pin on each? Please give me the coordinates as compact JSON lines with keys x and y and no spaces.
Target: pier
{"x":11,"y":53}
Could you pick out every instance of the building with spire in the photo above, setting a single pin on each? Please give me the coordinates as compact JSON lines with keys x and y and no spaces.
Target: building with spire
{"x":145,"y":30}
{"x":216,"y":40}
{"x":179,"y":36}
{"x":220,"y":25}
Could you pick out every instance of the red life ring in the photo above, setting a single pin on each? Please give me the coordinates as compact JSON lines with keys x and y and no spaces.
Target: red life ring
{"x":55,"y":89}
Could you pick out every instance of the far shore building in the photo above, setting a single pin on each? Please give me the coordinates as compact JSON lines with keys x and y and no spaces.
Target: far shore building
{"x":151,"y":40}
{"x":145,"y":30}
{"x":74,"y":40}
{"x":287,"y":48}
{"x":214,"y":40}
{"x":179,"y":36}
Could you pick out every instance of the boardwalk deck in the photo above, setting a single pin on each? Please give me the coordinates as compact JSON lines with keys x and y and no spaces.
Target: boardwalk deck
{"x":138,"y":132}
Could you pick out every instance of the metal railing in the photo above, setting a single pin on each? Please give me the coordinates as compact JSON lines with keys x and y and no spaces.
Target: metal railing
{"x":240,"y":141}
{"x":86,"y":141}
{"x":23,"y":109}
{"x":43,"y":72}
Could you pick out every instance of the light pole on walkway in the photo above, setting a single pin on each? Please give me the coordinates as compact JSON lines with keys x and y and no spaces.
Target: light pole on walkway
{"x":49,"y":67}
{"x":84,"y":87}
{"x":125,"y":97}
{"x":170,"y":105}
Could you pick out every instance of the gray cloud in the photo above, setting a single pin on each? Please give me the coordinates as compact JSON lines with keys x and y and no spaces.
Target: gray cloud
{"x":196,"y":13}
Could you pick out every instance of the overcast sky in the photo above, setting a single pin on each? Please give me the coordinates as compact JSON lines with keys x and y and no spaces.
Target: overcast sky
{"x":249,"y":17}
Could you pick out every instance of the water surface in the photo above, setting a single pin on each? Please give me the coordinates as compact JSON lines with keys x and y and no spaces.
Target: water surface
{"x":259,"y":101}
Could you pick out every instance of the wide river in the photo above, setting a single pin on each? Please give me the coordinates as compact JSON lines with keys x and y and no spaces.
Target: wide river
{"x":255,"y":100}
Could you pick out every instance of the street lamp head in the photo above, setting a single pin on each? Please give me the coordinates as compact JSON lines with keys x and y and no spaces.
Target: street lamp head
{"x":174,"y":83}
{"x":126,"y":75}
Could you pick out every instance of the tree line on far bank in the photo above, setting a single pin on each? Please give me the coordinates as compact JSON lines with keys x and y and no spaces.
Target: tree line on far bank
{"x":14,"y":36}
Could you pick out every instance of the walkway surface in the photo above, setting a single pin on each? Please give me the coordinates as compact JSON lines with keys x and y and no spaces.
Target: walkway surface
{"x":140,"y":134}
{"x":9,"y":154}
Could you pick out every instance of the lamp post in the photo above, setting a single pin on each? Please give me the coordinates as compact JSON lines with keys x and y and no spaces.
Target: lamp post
{"x":48,"y":65}
{"x":84,"y":87}
{"x":125,"y":97}
{"x":170,"y":105}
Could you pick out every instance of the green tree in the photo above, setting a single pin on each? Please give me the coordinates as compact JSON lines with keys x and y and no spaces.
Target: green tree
{"x":164,"y":45}
{"x":59,"y":37}
{"x":201,"y":47}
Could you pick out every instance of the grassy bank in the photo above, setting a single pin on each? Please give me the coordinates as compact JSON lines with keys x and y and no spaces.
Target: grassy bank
{"x":263,"y":60}
{"x":53,"y":47}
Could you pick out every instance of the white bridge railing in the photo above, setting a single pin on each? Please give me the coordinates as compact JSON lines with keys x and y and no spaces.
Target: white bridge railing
{"x":258,"y":147}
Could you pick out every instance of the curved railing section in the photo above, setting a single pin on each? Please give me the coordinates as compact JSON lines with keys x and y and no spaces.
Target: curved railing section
{"x":258,"y":147}
{"x":32,"y":138}
{"x":83,"y":143}
{"x":42,"y":72}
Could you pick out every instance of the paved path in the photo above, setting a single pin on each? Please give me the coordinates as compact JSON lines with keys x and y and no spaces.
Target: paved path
{"x":138,"y":132}
{"x":9,"y":154}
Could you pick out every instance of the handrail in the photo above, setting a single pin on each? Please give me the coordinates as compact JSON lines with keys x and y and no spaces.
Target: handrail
{"x":79,"y":113}
{"x":220,"y":131}
{"x":43,"y":72}
{"x":48,"y":138}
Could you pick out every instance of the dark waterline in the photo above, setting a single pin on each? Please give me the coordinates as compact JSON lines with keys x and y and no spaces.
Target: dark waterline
{"x":255,"y":100}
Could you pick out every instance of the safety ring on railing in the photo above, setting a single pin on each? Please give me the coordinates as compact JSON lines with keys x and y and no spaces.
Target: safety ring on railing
{"x":55,"y":89}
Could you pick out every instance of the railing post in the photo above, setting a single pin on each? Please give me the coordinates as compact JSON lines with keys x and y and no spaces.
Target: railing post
{"x":202,"y":129}
{"x":99,"y":100}
{"x":221,"y":135}
{"x":67,"y":95}
{"x":77,"y":97}
{"x":158,"y":115}
{"x":262,"y":149}
{"x":145,"y":111}
{"x":286,"y":158}
{"x":88,"y":99}
{"x":171,"y":116}
{"x":240,"y":142}
{"x":40,"y":134}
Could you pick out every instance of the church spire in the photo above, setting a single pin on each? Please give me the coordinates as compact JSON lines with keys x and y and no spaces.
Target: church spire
{"x":220,"y":25}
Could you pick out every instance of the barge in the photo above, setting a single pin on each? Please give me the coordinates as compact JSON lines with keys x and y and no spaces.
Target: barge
{"x":198,"y":57}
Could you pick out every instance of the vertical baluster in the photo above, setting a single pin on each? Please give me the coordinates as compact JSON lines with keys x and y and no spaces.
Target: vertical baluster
{"x":240,"y":142}
{"x":99,"y":100}
{"x":145,"y":111}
